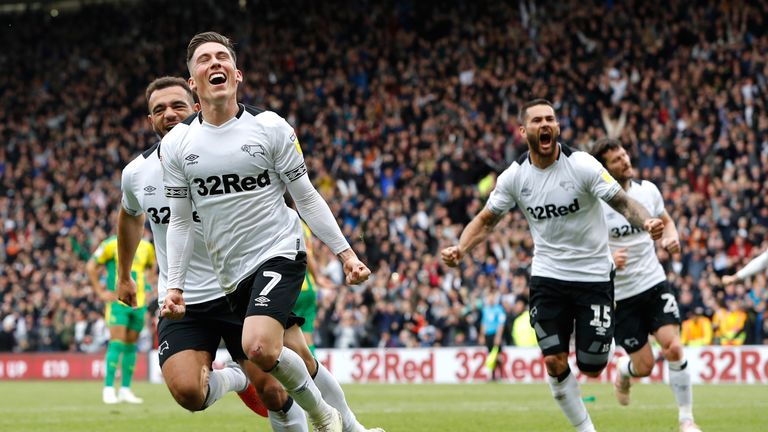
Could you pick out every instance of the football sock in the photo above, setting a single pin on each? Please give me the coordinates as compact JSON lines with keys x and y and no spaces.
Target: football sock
{"x":290,"y":418}
{"x":624,"y":366}
{"x":114,"y":348}
{"x":222,"y":381}
{"x":128,"y":364}
{"x":680,"y":381}
{"x":334,"y":395}
{"x":565,"y":390}
{"x":292,"y":373}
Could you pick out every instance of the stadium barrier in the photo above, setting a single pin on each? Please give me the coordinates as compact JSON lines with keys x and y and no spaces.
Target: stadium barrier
{"x":61,"y":366}
{"x":713,"y":364}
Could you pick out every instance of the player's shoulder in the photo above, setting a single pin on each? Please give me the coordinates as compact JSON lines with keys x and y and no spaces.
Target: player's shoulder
{"x":269,"y":120}
{"x":178,"y":132}
{"x":577,"y":156}
{"x":139,"y":161}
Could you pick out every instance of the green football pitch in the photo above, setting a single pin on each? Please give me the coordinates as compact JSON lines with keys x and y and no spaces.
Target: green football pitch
{"x":76,"y":406}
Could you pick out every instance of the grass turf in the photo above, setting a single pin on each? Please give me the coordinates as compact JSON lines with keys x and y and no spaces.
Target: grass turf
{"x":76,"y":406}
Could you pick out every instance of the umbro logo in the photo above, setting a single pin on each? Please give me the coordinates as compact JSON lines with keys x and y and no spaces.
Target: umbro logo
{"x":191,"y":157}
{"x":149,"y":189}
{"x":163,"y":348}
{"x":526,"y":192}
{"x":261,"y":301}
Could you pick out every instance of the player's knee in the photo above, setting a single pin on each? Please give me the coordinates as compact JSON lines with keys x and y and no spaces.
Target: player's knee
{"x":556,"y":364}
{"x":262,"y":354}
{"x":188,"y":395}
{"x":673,"y":352}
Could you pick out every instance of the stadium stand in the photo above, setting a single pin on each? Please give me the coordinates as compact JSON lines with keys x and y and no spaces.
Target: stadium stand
{"x":406,"y":112}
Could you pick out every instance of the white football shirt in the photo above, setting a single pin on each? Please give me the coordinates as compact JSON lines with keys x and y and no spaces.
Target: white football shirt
{"x":236,"y":174}
{"x":142,"y":185}
{"x":642,"y":270}
{"x":566,"y":220}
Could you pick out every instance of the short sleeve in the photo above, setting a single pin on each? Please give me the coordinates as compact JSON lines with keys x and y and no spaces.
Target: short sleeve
{"x":657,"y":202}
{"x":104,"y":252}
{"x":288,"y":157}
{"x":502,"y":197}
{"x":129,"y":200}
{"x":597,"y":179}
{"x":175,"y":185}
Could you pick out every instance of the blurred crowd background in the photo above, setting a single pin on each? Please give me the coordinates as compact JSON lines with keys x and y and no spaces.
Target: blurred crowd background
{"x":406,"y":112}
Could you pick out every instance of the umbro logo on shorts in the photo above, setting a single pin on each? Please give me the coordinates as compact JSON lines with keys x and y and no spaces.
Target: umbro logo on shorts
{"x":261,"y":301}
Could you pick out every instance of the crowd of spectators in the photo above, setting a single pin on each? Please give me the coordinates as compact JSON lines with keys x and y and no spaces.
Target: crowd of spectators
{"x":406,"y":112}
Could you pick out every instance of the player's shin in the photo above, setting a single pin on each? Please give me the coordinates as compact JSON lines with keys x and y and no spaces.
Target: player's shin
{"x":290,"y":418}
{"x":128,"y":364}
{"x":680,"y":381}
{"x":222,"y":381}
{"x":292,"y":373}
{"x":565,"y":390}
{"x":334,"y":395}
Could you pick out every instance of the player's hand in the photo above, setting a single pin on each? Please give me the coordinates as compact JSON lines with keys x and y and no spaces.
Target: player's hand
{"x":356,"y":271}
{"x":173,"y":305}
{"x":107,"y":296}
{"x":451,"y":256}
{"x":126,"y":291}
{"x":655,"y":227}
{"x":620,"y":258}
{"x":729,"y":279}
{"x":672,"y":245}
{"x":481,"y":339}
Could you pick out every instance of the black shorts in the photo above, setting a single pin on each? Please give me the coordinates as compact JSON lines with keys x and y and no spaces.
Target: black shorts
{"x":271,"y":290}
{"x":557,"y":304}
{"x":643,"y":314}
{"x":202,"y":328}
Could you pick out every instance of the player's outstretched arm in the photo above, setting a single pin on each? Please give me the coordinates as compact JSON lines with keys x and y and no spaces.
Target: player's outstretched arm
{"x":757,"y":265}
{"x":179,"y":241}
{"x":129,"y":232}
{"x":475,"y":233}
{"x":636,"y":214}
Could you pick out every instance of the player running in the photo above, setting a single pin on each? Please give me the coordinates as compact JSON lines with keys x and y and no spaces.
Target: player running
{"x":559,"y":189}
{"x":645,"y":302}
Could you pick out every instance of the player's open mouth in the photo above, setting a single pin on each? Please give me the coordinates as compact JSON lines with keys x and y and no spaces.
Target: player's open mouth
{"x":545,"y":137}
{"x":217,"y":78}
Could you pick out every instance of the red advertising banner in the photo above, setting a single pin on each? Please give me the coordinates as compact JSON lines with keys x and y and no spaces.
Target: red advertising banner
{"x":61,"y":366}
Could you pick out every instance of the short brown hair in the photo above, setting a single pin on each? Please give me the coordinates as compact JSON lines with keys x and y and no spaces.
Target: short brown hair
{"x":603,"y":146}
{"x":531,"y":103}
{"x":206,"y":37}
{"x":165,"y":82}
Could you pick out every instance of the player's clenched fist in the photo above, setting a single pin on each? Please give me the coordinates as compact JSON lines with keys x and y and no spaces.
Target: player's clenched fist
{"x":451,"y":256}
{"x":173,"y":305}
{"x":672,"y":245}
{"x":356,"y":271}
{"x":655,"y":227}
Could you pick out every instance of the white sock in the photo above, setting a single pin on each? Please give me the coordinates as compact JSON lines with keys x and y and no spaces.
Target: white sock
{"x":293,"y":375}
{"x":334,"y":395}
{"x":291,"y":420}
{"x":222,"y":381}
{"x":624,"y":366}
{"x":680,"y":381}
{"x":568,"y":395}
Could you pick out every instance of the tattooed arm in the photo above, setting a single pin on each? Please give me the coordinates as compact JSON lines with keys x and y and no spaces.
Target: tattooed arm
{"x":475,"y":233}
{"x":636,"y":214}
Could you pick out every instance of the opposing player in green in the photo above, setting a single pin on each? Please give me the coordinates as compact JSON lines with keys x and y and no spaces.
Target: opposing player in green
{"x":306,"y":304}
{"x":125,"y":323}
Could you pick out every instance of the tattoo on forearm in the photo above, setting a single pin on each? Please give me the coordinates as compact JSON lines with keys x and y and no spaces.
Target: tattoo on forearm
{"x":635,"y":213}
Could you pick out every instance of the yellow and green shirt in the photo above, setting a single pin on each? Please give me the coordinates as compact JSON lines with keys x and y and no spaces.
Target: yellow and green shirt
{"x":106,"y":254}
